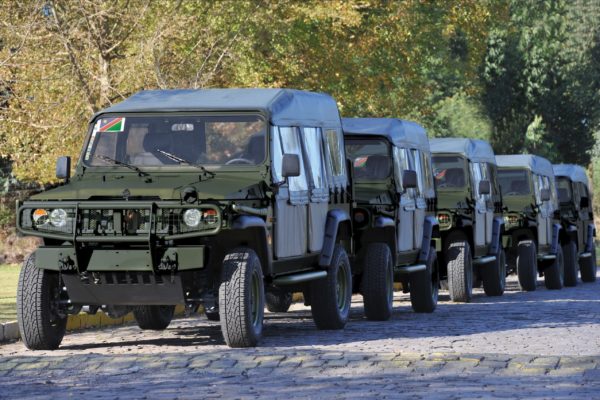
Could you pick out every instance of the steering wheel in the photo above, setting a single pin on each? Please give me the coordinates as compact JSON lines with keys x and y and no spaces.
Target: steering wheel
{"x":239,"y":161}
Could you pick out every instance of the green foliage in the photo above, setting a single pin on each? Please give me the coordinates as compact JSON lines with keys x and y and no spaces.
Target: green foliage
{"x":459,"y":116}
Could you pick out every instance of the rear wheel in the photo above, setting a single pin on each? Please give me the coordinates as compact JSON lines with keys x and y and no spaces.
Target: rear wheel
{"x":554,"y":274}
{"x":424,"y":285}
{"x":378,"y":282}
{"x":494,"y":275}
{"x":588,"y":267}
{"x":241,"y":298}
{"x":41,"y":323}
{"x":155,"y":318}
{"x":571,"y":263}
{"x":527,"y":265}
{"x":278,"y":300}
{"x":330,"y":297}
{"x":459,"y":264}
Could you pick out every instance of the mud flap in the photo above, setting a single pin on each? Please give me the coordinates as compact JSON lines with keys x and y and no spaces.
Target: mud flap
{"x":496,"y":237}
{"x":334,"y":219}
{"x":555,"y":234}
{"x":428,"y":225}
{"x":591,"y":233}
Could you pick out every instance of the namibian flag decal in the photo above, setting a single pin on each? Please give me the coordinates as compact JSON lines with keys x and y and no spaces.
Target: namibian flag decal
{"x":112,"y":124}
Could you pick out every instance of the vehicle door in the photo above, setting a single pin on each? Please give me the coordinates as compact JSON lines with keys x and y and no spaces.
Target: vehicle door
{"x":291,"y":199}
{"x":406,"y":211}
{"x":318,"y":207}
{"x":420,"y":201}
{"x":480,"y":213}
{"x":486,"y":174}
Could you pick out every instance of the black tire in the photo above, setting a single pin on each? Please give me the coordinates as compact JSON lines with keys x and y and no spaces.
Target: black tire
{"x":459,"y":264}
{"x":241,"y":298}
{"x":494,"y":275}
{"x":42,"y":327}
{"x":212,"y":314}
{"x":278,"y":300}
{"x":330,"y":297}
{"x":588,"y":267}
{"x":424,"y":286}
{"x":554,"y":274}
{"x":527,"y":265}
{"x":378,"y":282}
{"x":571,"y":263}
{"x":156,"y":318}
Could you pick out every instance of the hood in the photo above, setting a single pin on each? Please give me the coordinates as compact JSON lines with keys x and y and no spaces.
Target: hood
{"x":158,"y":187}
{"x":518,"y":203}
{"x":452,"y":199}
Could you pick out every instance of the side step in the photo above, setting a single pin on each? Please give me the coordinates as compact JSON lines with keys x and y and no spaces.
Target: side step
{"x":484,"y":260}
{"x":410,"y":269}
{"x":299,"y":278}
{"x":587,"y":254}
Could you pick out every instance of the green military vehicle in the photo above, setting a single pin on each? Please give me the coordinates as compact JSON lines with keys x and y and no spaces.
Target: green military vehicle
{"x":577,"y":218}
{"x":394,"y":225}
{"x":196,"y":197}
{"x":532,"y":220}
{"x":469,"y":211}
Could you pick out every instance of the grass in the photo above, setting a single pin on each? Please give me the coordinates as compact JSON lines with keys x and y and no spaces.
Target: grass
{"x":9,"y":276}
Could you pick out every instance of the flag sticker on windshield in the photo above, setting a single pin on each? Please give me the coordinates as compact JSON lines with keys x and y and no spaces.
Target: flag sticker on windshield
{"x":112,"y":124}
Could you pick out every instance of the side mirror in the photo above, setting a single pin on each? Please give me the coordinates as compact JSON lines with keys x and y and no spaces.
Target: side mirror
{"x":485,"y":187}
{"x":545,"y":194}
{"x":409,"y":179}
{"x":63,"y":168}
{"x":585,"y":202}
{"x":290,"y":165}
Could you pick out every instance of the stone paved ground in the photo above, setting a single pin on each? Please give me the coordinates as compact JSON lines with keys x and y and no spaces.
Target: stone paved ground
{"x":544,"y":344}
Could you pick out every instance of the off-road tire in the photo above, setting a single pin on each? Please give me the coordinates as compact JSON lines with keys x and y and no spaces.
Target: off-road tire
{"x":330,"y":299}
{"x":494,"y":275}
{"x":588,"y":267}
{"x":424,"y":285}
{"x":155,"y":318}
{"x":571,"y":263}
{"x":459,"y":263}
{"x":40,"y":326}
{"x":241,"y":298}
{"x":378,"y":282}
{"x":527,"y":265}
{"x":278,"y":300}
{"x":554,"y":274}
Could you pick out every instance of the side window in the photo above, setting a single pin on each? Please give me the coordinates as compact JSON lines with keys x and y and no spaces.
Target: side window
{"x":476,"y":173}
{"x":538,"y":184}
{"x":408,"y":163}
{"x":290,"y":144}
{"x":427,"y":173}
{"x":314,"y":155}
{"x":335,"y":157}
{"x":398,"y":167}
{"x":416,"y":156}
{"x":277,"y":154}
{"x":485,"y":175}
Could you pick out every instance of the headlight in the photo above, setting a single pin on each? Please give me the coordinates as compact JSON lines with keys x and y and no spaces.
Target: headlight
{"x":58,"y":217}
{"x":40,"y":216}
{"x":192,"y":217}
{"x":445,"y":220}
{"x":210,"y":217}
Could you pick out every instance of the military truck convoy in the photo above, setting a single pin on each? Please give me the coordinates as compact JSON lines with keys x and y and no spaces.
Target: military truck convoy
{"x":233,"y":199}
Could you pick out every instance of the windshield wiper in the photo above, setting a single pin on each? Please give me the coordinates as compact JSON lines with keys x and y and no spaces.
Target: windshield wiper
{"x":121,"y":163}
{"x":184,"y":161}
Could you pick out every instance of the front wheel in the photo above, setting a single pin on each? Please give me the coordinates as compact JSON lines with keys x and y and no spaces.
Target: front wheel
{"x":330,"y":297}
{"x":459,"y":264}
{"x":553,"y":275}
{"x":588,"y":267}
{"x":527,"y":265}
{"x":494,"y":275}
{"x":241,"y":298}
{"x":41,"y":323}
{"x":378,"y":282}
{"x":424,"y":285}
{"x":571,"y":264}
{"x":154,"y":318}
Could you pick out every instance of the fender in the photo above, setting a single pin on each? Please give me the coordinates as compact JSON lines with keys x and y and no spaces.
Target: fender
{"x":555,"y":233}
{"x":263,"y":249}
{"x":332,"y":224}
{"x":428,"y":225}
{"x":591,"y":234}
{"x":496,"y":235}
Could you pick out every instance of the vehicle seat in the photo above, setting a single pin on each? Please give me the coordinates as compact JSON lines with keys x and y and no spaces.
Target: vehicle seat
{"x":377,"y":167}
{"x":255,"y":150}
{"x":518,"y":187}
{"x":455,"y":177}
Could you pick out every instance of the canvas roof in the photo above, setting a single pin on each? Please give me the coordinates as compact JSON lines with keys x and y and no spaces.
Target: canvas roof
{"x":536,"y":164}
{"x":574,"y":172}
{"x":401,"y":133}
{"x":474,"y":149}
{"x":286,"y":107}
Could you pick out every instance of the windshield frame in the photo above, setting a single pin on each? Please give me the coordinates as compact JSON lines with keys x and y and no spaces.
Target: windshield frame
{"x":184,"y":168}
{"x":466,"y":171}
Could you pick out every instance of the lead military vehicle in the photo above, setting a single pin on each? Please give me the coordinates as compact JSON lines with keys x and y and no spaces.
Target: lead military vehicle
{"x":394,"y":224}
{"x":532,"y":220}
{"x":194,"y":197}
{"x":470,"y":214}
{"x":577,"y":218}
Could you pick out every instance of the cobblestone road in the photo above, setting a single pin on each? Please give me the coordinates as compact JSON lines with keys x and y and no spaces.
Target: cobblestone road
{"x":544,"y":344}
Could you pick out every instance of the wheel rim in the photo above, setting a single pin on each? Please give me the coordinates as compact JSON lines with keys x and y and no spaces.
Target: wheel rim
{"x":341,"y":288}
{"x":254,"y":299}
